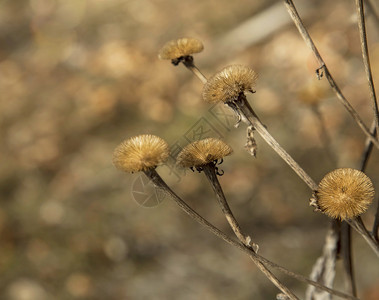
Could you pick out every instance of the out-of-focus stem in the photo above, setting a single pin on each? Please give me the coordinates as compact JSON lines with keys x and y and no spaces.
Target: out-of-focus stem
{"x":366,"y":58}
{"x":323,"y":68}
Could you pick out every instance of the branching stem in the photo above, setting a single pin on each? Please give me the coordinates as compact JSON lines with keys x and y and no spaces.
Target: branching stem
{"x":366,"y":58}
{"x":259,"y":260}
{"x":323,"y":68}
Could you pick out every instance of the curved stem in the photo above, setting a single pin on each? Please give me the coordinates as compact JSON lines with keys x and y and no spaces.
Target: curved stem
{"x":190,"y":65}
{"x":210,"y":173}
{"x":323,"y":68}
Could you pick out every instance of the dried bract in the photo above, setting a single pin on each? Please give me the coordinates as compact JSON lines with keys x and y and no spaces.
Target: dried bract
{"x":345,"y":193}
{"x":229,"y":83}
{"x":181,"y":47}
{"x":202,"y":152}
{"x":140,"y":153}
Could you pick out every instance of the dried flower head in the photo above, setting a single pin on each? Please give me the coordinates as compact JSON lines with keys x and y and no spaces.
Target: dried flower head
{"x":140,"y":153}
{"x":345,"y":193}
{"x":181,"y":47}
{"x":202,"y":152}
{"x":229,"y":83}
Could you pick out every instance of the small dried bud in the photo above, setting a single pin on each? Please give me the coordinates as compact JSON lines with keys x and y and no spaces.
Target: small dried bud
{"x":140,"y":153}
{"x":229,"y":83}
{"x":345,"y":193}
{"x":181,"y":47}
{"x":202,"y":152}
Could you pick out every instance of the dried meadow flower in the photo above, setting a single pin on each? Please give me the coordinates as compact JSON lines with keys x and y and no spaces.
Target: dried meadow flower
{"x":140,"y":153}
{"x":345,"y":193}
{"x":203,"y":152}
{"x":229,"y":83}
{"x":179,"y":48}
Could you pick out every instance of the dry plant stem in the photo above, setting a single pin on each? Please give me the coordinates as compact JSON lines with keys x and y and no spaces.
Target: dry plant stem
{"x":209,"y":171}
{"x":375,"y":227}
{"x":358,"y":225}
{"x":366,"y":57}
{"x":190,"y":65}
{"x":158,"y":181}
{"x":249,"y":114}
{"x":248,"y":250}
{"x":323,"y":68}
{"x":364,"y":160}
{"x":368,"y":148}
{"x":346,"y":253}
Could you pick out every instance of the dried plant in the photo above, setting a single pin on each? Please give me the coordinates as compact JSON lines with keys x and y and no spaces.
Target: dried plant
{"x":343,"y":194}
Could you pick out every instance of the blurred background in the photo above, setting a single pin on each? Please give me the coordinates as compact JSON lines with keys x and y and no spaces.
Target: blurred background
{"x":79,"y":76}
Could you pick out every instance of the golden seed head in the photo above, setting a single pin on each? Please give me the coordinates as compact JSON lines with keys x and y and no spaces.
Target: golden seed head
{"x":181,"y":47}
{"x":140,"y":153}
{"x":202,"y":152}
{"x":345,"y":193}
{"x":229,"y":83}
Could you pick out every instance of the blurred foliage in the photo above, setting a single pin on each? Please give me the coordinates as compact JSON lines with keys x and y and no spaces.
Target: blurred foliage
{"x":79,"y":76}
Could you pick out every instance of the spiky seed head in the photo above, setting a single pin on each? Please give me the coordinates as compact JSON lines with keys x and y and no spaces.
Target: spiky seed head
{"x":181,"y":47}
{"x":345,"y":193}
{"x":202,"y":152}
{"x":140,"y":153}
{"x":229,"y":83}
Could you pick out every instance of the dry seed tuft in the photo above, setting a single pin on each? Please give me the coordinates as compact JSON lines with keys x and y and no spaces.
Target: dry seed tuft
{"x":345,"y":193}
{"x":229,"y":83}
{"x":140,"y":153}
{"x":181,"y":47}
{"x":202,"y":152}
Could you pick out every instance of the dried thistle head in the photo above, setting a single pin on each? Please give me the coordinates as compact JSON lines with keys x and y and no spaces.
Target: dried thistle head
{"x":140,"y":153}
{"x":345,"y":193}
{"x":203,"y":152}
{"x":229,"y":83}
{"x":181,"y":47}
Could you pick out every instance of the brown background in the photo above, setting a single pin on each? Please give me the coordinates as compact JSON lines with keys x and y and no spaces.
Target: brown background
{"x":79,"y":76}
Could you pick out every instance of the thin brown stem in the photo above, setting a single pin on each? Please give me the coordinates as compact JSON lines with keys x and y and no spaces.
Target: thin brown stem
{"x":249,"y":114}
{"x":346,"y":253}
{"x":190,"y":65}
{"x":358,"y":225}
{"x":210,"y":173}
{"x":364,"y":161}
{"x":366,"y":58}
{"x":375,"y":226}
{"x":159,"y":183}
{"x":368,"y":148}
{"x":323,"y":69}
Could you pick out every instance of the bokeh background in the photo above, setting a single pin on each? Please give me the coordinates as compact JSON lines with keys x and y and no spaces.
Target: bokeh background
{"x":79,"y":76}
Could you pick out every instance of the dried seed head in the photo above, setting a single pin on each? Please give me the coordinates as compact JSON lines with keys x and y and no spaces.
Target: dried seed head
{"x":202,"y":152}
{"x":345,"y":193}
{"x":229,"y":83}
{"x":140,"y":153}
{"x":181,"y":47}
